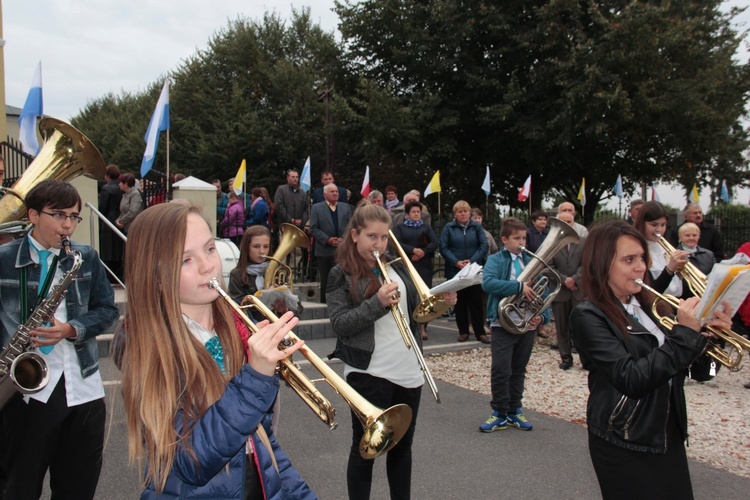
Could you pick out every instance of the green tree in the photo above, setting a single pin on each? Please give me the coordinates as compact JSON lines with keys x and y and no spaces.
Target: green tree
{"x":559,"y":89}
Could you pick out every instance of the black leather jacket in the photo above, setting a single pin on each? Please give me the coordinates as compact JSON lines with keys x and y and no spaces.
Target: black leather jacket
{"x":629,"y":378}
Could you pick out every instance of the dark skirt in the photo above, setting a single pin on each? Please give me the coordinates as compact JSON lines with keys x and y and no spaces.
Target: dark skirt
{"x":626,"y":474}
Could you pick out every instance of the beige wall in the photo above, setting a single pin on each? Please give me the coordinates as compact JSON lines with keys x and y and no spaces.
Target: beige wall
{"x":88,"y":189}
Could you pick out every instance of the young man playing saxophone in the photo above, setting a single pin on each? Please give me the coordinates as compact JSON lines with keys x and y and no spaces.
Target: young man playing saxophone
{"x":61,"y":427}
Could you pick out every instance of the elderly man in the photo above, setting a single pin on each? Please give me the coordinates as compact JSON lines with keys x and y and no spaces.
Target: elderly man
{"x":567,"y":263}
{"x":326,"y":178}
{"x":710,"y":236}
{"x":399,"y":215}
{"x":568,"y":207}
{"x":328,"y":221}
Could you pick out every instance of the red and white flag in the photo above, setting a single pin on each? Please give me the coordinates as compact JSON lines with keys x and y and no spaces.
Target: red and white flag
{"x":523,"y":194}
{"x":365,"y":192}
{"x":654,"y":195}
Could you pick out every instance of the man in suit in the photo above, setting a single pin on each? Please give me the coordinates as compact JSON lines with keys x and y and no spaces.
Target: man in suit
{"x":326,"y":178}
{"x":567,"y":263}
{"x":568,"y":207}
{"x":328,"y":221}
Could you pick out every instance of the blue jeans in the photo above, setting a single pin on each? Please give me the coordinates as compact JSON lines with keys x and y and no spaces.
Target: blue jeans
{"x":510,"y":355}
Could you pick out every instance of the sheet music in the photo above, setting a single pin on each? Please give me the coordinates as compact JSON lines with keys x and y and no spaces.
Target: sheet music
{"x":466,"y":277}
{"x":728,"y":282}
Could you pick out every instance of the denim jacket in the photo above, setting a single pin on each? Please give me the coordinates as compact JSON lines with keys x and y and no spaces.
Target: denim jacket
{"x":90,"y":300}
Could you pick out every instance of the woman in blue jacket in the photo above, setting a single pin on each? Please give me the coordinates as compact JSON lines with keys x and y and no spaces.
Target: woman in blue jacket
{"x":198,"y":392}
{"x":462,"y":242}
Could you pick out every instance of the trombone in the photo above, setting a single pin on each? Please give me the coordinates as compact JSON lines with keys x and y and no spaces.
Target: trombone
{"x":403,"y":324}
{"x":430,"y":306}
{"x":737,"y":342}
{"x":383,"y":428}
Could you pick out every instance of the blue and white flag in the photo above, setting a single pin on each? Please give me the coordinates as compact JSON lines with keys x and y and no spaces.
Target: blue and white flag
{"x":304,"y":179}
{"x":159,"y":122}
{"x":486,"y":183}
{"x":31,"y":110}
{"x":724,"y":191}
{"x":618,"y":187}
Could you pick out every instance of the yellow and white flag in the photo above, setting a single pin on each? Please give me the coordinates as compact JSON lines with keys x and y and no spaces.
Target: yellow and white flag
{"x":582,"y":193}
{"x":695,"y":196}
{"x":240,"y":178}
{"x":434,"y":185}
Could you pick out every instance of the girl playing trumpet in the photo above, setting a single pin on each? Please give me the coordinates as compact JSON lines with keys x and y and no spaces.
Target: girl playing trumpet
{"x":378,"y":364}
{"x":198,"y":392}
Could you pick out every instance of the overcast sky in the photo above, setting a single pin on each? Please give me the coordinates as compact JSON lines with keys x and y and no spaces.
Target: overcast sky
{"x":91,"y":47}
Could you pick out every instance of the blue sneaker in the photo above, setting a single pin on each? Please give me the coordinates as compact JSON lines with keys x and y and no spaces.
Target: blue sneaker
{"x":494,"y":423}
{"x":519,"y":420}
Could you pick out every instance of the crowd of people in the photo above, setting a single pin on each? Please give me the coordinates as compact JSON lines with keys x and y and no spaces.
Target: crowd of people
{"x":181,"y":387}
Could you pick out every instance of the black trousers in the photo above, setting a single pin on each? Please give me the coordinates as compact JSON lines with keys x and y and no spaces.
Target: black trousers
{"x":383,"y":394}
{"x":469,"y":309}
{"x":510,"y":355}
{"x":67,"y":441}
{"x":325,"y":264}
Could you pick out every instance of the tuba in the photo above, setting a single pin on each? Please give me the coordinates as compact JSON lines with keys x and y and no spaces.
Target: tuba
{"x":516,"y":312}
{"x":66,"y":154}
{"x":383,"y":428}
{"x":278,"y":273}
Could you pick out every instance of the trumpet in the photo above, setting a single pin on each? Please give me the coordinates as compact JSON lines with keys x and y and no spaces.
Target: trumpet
{"x":405,"y":329}
{"x":383,"y":428}
{"x":732,"y":359}
{"x":693,"y":276}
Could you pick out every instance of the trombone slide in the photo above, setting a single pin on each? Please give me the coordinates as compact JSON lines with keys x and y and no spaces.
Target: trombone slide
{"x":406,"y":333}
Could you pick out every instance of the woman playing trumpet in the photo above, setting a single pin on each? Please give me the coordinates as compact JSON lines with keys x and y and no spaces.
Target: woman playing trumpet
{"x":636,"y":412}
{"x":197,"y":391}
{"x":378,"y":364}
{"x":651,"y":222}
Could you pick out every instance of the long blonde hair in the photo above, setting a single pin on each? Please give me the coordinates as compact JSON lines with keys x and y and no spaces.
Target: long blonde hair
{"x":166,"y":370}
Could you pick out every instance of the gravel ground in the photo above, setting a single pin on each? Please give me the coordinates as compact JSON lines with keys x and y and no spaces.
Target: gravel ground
{"x":717,"y":410}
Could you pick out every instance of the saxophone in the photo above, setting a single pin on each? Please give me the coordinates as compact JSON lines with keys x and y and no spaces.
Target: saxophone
{"x":20,"y":369}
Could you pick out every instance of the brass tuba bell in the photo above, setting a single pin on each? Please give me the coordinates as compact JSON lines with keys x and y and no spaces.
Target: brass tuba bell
{"x":278,"y":273}
{"x":66,"y":154}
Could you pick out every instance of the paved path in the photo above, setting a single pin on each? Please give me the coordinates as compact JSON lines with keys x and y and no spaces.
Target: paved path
{"x":452,"y":460}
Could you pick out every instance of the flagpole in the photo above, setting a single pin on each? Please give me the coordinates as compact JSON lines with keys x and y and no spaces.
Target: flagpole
{"x":486,"y":206}
{"x":169,"y":181}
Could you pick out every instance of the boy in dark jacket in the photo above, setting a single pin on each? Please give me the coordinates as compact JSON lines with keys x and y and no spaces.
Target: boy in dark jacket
{"x":510,"y":352}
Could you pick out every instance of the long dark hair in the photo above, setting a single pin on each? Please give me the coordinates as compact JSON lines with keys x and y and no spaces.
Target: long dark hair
{"x":649,"y":212}
{"x":247,"y":239}
{"x":599,"y":251}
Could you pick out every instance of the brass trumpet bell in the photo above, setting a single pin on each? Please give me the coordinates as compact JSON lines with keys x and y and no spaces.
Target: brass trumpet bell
{"x":383,"y":428}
